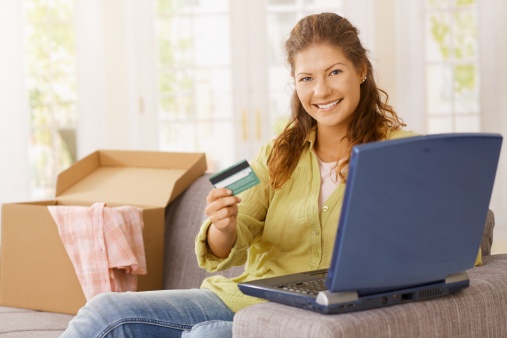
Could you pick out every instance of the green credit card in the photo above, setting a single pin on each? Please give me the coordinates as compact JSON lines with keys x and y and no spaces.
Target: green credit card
{"x":237,"y":178}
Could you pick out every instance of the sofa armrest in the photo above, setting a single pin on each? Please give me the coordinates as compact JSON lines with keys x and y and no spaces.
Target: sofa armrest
{"x":487,"y":235}
{"x":478,"y":311}
{"x":183,"y":221}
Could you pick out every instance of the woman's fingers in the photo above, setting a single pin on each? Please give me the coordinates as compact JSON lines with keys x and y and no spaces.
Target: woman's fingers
{"x":222,"y":207}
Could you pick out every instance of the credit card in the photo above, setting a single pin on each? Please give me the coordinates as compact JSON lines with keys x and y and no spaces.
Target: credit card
{"x":237,"y":178}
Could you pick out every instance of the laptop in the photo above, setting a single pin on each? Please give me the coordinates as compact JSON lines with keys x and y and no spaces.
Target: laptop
{"x":411,"y":224}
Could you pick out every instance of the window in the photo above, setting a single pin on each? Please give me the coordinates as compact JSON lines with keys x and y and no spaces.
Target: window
{"x":50,"y":59}
{"x":228,"y":92}
{"x":452,"y":66}
{"x":195,"y":113}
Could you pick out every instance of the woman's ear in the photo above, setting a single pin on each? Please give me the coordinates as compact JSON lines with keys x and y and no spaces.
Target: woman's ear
{"x":364,"y":72}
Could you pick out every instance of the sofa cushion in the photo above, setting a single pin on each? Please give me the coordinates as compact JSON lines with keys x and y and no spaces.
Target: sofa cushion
{"x":478,"y":311}
{"x":27,"y":323}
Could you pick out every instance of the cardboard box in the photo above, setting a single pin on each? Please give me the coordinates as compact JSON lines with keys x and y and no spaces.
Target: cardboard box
{"x":35,"y":270}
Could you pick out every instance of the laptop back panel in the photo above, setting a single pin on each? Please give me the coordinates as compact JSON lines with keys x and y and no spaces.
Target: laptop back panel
{"x":413,"y":211}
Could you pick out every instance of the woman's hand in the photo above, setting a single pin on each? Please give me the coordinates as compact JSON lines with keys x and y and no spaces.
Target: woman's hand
{"x":222,"y":210}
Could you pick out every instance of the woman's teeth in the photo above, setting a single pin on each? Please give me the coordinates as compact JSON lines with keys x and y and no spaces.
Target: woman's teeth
{"x":329,"y":105}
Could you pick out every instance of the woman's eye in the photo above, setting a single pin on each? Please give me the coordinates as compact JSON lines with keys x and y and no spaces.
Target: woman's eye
{"x":305,"y":79}
{"x":336,"y":72}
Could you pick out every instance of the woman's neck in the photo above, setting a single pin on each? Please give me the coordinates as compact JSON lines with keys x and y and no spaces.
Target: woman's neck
{"x":330,"y":146}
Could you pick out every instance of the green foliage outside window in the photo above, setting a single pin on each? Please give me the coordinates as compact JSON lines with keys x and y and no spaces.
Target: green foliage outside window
{"x":176,"y":81}
{"x":456,"y":41}
{"x":51,"y":73}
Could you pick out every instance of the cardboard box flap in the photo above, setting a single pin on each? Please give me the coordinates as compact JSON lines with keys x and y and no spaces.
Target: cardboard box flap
{"x":140,"y":178}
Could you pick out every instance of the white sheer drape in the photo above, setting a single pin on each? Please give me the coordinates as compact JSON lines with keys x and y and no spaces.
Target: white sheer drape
{"x":408,"y":42}
{"x":14,"y":123}
{"x":116,"y":75}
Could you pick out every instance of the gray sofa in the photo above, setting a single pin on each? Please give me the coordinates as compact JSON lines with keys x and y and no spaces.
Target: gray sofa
{"x":478,"y":311}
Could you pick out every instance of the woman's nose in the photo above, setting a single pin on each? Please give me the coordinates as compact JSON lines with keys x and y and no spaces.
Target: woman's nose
{"x":322,"y":88}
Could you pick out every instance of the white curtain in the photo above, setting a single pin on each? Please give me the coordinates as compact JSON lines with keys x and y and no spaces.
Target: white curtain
{"x":14,"y":123}
{"x":116,"y":75}
{"x":408,"y":44}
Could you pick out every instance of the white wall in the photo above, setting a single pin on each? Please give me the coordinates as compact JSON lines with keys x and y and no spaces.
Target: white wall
{"x":493,"y":69}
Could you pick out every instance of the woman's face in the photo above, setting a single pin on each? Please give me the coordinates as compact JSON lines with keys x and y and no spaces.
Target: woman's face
{"x":327,"y":85}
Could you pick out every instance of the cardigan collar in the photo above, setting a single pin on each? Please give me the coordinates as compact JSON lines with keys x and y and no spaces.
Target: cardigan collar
{"x":310,"y":139}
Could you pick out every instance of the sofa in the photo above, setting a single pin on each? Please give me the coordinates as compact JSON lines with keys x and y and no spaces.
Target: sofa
{"x":478,"y":311}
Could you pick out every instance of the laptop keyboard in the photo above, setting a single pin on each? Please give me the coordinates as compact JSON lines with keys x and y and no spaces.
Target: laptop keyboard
{"x":309,"y":288}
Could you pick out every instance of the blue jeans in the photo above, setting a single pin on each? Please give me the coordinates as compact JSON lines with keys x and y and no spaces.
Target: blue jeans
{"x":167,"y":313}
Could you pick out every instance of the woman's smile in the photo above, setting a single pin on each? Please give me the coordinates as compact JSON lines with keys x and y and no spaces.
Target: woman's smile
{"x":328,"y":105}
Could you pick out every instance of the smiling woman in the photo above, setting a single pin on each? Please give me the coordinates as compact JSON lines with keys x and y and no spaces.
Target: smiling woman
{"x":335,"y":110}
{"x":336,"y":96}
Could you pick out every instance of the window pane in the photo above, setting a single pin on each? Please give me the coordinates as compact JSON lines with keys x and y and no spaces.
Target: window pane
{"x":465,"y":2}
{"x":215,"y":141}
{"x":439,"y":89}
{"x":194,"y":77}
{"x":282,"y":2}
{"x":51,"y":85}
{"x":452,"y":66}
{"x":213,"y":99}
{"x":325,"y":3}
{"x":176,"y":91}
{"x":165,"y":7}
{"x":438,"y":125}
{"x":469,"y":124}
{"x":177,"y":136}
{"x":466,"y":88}
{"x":438,"y":3}
{"x":175,"y":41}
{"x":211,"y":49}
{"x":212,"y":138}
{"x":465,"y":35}
{"x":438,"y":36}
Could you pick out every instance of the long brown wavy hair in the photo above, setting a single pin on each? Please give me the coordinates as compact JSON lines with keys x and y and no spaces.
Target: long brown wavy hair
{"x":373,"y":118}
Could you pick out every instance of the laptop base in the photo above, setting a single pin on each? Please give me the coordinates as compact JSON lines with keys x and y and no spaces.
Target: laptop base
{"x":327,"y":302}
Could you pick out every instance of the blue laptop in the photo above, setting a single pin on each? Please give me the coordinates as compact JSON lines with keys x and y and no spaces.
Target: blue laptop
{"x":411,"y":224}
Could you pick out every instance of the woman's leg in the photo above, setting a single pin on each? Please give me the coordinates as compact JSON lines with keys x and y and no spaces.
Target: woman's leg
{"x":211,"y":329}
{"x":150,"y":314}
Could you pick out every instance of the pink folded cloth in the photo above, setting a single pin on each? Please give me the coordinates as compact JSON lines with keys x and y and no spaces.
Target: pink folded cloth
{"x":104,"y":244}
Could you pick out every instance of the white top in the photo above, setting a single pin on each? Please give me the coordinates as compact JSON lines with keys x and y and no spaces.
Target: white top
{"x":328,"y":180}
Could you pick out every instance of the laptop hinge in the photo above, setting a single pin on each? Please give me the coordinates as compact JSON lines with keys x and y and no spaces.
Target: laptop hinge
{"x":329,"y":298}
{"x":456,"y":277}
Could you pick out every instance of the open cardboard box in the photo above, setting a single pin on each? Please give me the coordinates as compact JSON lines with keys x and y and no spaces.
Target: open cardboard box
{"x":35,"y":270}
